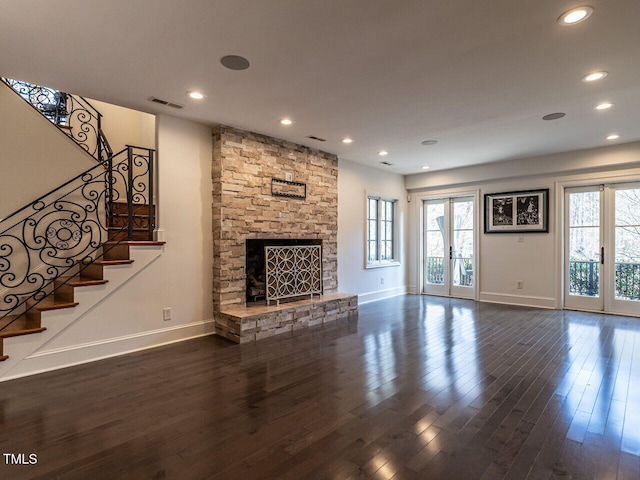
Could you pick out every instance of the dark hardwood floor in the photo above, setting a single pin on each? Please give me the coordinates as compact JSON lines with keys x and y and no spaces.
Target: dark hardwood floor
{"x":414,"y":388}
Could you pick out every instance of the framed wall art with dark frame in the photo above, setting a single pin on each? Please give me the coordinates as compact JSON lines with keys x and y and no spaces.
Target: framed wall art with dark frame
{"x":517,"y":212}
{"x":285,"y":188}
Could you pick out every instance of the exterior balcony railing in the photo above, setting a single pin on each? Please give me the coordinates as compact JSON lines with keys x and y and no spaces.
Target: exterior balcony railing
{"x":628,"y":281}
{"x":584,"y":279}
{"x":462,"y":266}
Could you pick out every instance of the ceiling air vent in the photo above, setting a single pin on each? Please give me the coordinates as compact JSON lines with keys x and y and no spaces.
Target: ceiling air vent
{"x":313,"y":137}
{"x":388,"y":164}
{"x":164,"y":102}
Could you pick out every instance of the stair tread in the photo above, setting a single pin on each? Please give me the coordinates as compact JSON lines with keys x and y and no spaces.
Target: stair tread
{"x":22,"y":332}
{"x":50,"y":303}
{"x":106,"y":263}
{"x":136,"y":242}
{"x":126,"y":214}
{"x":124,"y":229}
{"x":85,"y":282}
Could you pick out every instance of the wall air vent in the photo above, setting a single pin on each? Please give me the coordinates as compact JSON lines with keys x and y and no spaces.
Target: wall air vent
{"x":388,"y":164}
{"x":313,"y":137}
{"x":164,"y":102}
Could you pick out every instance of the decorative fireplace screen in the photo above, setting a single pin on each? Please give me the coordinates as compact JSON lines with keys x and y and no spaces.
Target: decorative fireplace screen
{"x":292,"y":271}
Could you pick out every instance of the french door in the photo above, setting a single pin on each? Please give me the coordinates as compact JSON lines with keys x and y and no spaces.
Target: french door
{"x":602,"y":248}
{"x":449,"y":247}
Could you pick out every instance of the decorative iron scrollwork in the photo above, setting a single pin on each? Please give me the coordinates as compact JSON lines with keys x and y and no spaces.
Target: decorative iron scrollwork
{"x":50,"y":102}
{"x":293,"y":271}
{"x":83,"y":120}
{"x":66,"y":227}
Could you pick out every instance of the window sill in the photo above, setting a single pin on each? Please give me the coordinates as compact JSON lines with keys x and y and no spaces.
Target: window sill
{"x":382,"y":264}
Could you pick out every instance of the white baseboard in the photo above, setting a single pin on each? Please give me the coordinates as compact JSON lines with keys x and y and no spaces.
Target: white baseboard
{"x":381,"y":294}
{"x":521,"y":300}
{"x":54,"y":359}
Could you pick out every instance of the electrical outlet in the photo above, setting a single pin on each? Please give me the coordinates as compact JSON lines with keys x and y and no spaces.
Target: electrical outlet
{"x":381,"y":280}
{"x":288,"y":176}
{"x":166,"y":314}
{"x":520,"y":284}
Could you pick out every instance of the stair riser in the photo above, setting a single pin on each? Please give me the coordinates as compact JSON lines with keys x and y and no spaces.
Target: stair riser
{"x":64,"y":293}
{"x":138,"y":208}
{"x":138,"y":221}
{"x":93,"y":271}
{"x":23,"y":322}
{"x":116,"y":252}
{"x":124,"y":235}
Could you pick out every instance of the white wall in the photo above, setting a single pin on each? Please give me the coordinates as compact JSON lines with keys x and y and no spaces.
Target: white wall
{"x":180,"y":277}
{"x":123,"y":126}
{"x":33,"y":153}
{"x":355,"y":181}
{"x":579,"y":161}
{"x":537,"y":259}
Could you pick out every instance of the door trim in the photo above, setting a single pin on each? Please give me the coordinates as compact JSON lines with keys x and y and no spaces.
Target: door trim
{"x":610,"y":183}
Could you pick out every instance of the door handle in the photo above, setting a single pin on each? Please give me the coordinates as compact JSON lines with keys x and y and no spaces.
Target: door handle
{"x":602,"y":255}
{"x":450,"y":253}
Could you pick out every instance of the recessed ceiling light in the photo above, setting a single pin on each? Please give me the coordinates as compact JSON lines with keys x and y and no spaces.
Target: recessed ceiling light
{"x":575,"y":15}
{"x":613,"y":136}
{"x":382,"y":153}
{"x":592,"y":77}
{"x":429,"y":142}
{"x":554,"y":116}
{"x":426,"y":167}
{"x":235,"y":62}
{"x":286,"y":121}
{"x":347,"y":140}
{"x":195,"y":95}
{"x":604,"y":106}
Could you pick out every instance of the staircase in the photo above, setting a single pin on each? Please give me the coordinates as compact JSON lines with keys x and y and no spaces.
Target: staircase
{"x":69,"y":238}
{"x":116,"y":253}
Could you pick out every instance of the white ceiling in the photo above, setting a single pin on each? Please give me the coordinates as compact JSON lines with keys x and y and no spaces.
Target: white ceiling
{"x":475,"y":75}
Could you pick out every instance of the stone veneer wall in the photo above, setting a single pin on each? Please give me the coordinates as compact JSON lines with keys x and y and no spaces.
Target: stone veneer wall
{"x":243,"y":165}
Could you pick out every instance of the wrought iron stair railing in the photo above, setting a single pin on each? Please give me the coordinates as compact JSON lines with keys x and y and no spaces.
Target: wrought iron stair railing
{"x":75,"y":114}
{"x":68,"y":227}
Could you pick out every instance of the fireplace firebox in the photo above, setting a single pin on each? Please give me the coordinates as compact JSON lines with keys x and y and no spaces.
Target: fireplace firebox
{"x":256,"y":271}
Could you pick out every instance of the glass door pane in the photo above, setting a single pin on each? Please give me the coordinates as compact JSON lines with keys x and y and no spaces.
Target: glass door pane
{"x":584,"y":241}
{"x":462,"y":239}
{"x":626,"y":268}
{"x":435,"y":228}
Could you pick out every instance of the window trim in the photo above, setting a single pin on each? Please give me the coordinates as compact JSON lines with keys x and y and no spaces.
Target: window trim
{"x":395,"y":260}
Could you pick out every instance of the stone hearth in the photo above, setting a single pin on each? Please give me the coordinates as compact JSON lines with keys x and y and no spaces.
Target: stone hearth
{"x":248,"y":324}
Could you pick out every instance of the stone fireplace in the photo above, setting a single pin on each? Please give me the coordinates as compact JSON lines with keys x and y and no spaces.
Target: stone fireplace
{"x":244,"y":210}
